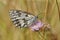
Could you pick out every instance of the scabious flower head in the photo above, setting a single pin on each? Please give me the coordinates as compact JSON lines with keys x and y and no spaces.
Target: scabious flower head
{"x":36,"y":26}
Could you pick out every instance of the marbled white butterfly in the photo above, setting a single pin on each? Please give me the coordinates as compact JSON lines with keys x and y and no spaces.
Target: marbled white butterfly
{"x":22,"y":18}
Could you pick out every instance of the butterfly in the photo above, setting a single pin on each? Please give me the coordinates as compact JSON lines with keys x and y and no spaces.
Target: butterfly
{"x":22,"y":18}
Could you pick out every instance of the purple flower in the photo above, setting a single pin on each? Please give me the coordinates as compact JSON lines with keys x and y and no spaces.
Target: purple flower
{"x":36,"y":26}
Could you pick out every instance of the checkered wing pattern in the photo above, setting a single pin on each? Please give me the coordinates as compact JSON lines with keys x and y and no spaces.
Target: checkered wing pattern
{"x":22,"y":18}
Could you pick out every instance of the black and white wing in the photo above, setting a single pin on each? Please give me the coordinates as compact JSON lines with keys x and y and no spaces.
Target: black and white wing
{"x":22,"y":18}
